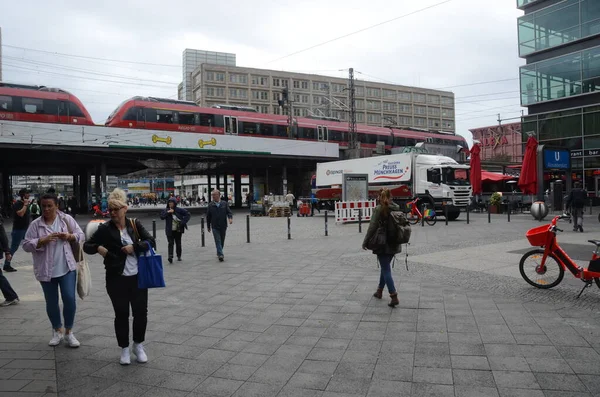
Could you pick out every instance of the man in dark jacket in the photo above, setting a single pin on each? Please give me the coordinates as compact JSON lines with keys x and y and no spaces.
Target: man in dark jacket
{"x":576,"y":202}
{"x":10,"y":296}
{"x":21,"y":221}
{"x":176,"y":222}
{"x":217,"y":215}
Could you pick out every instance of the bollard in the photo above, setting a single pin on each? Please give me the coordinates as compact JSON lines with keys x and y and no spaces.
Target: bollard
{"x":202,"y":230}
{"x":360,"y":220}
{"x":423,"y":216}
{"x":489,"y":214}
{"x":590,"y":206}
{"x":154,"y":228}
{"x":508,"y":211}
{"x":468,"y":214}
{"x":248,"y":228}
{"x":326,"y":232}
{"x":446,"y":214}
{"x":289,"y":222}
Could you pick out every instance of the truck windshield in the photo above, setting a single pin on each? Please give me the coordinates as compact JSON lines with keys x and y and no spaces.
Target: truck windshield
{"x":455,"y":176}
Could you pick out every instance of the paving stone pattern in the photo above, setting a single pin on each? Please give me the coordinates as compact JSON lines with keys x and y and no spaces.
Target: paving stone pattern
{"x":296,"y":318}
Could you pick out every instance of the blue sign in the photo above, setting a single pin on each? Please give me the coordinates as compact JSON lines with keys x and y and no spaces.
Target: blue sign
{"x":557,"y":159}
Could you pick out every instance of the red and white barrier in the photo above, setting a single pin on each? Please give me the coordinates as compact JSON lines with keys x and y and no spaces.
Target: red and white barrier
{"x":347,"y":211}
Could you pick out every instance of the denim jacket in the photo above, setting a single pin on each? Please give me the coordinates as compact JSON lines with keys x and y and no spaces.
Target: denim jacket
{"x":43,"y":256}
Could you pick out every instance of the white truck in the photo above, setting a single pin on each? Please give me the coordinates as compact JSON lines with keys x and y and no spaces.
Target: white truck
{"x":438,"y":180}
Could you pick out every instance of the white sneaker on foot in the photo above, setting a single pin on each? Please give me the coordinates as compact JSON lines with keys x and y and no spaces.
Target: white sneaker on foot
{"x":140,"y":354}
{"x":57,"y":337}
{"x":8,"y":303}
{"x":71,"y":340}
{"x":125,"y":356}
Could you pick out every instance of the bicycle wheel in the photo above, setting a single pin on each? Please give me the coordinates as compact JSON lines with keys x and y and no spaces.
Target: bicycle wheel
{"x":431,"y":220}
{"x":530,"y":268}
{"x":597,"y":280}
{"x":412,"y":218}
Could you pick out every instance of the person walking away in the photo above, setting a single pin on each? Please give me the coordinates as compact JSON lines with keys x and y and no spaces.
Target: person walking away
{"x":54,"y":265}
{"x":217,"y":215}
{"x":576,"y":202}
{"x":119,"y":241}
{"x":34,"y":209}
{"x":176,"y":220}
{"x":21,"y":221}
{"x":289,"y":198}
{"x":385,"y":254}
{"x":10,"y":296}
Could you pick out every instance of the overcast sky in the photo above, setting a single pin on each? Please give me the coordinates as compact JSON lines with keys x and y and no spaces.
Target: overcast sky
{"x":451,"y":46}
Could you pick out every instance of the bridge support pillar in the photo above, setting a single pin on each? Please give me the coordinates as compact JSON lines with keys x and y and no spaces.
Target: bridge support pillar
{"x":209,"y":194}
{"x":103,"y":186}
{"x":218,"y":182}
{"x":97,"y":185}
{"x":84,"y":189}
{"x":6,"y":197}
{"x":284,"y":181}
{"x":237,"y":190}
{"x":225,"y":193}
{"x":79,"y":205}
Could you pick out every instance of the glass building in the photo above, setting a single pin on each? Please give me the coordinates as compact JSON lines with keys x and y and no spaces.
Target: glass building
{"x":560,"y":83}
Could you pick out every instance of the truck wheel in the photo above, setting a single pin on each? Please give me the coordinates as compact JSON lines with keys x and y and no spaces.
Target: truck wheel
{"x":452,"y":216}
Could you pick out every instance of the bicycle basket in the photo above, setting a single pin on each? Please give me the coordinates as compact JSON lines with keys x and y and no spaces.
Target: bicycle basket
{"x":538,"y":236}
{"x":429,"y":213}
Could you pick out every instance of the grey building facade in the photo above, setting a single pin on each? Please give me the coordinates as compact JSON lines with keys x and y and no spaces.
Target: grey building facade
{"x":192,"y":59}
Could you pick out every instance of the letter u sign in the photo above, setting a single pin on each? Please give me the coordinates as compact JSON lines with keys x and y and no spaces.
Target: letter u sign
{"x":557,"y":156}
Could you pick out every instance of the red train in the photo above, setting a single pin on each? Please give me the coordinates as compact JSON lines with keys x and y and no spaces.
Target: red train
{"x":41,"y":104}
{"x":51,"y":105}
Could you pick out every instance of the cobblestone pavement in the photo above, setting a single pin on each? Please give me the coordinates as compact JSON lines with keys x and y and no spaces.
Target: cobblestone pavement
{"x":296,"y":318}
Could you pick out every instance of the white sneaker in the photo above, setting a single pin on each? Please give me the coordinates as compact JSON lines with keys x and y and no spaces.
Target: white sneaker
{"x":8,"y":303}
{"x":57,"y":337}
{"x":71,"y":340}
{"x":140,"y":354}
{"x":125,"y":357}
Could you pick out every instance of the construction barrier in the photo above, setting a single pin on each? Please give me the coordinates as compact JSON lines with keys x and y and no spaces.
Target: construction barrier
{"x":347,"y":211}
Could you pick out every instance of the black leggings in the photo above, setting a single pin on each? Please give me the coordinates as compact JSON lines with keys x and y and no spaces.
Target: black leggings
{"x":174,"y":239}
{"x":123,"y":292}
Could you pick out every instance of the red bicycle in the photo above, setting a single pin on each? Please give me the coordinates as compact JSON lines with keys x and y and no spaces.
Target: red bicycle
{"x":545,"y":268}
{"x":414,"y":216}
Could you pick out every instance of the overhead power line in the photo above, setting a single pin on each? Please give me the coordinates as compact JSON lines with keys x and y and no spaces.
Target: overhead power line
{"x":360,"y":31}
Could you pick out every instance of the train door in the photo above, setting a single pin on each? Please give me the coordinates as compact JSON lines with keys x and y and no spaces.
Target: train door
{"x":231,"y":125}
{"x":63,"y":112}
{"x":322,"y":133}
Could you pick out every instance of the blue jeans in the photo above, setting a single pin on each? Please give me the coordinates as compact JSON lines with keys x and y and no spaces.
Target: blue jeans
{"x":67,"y":291}
{"x":385,"y":278}
{"x":219,"y":236}
{"x":7,"y":291}
{"x":16,"y":237}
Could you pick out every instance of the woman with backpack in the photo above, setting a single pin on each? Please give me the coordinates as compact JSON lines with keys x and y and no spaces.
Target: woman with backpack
{"x":385,"y":251}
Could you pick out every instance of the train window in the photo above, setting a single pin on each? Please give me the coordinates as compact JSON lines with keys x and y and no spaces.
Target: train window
{"x":6,"y":103}
{"x":309,"y":133}
{"x":74,"y":110}
{"x":51,"y":106}
{"x":150,"y":115}
{"x":281,"y":130}
{"x":206,"y":120}
{"x":335,"y":136}
{"x":131,"y":114}
{"x":362,"y":138}
{"x":383,"y":138}
{"x":186,"y":118}
{"x":248,"y":128}
{"x":33,"y":105}
{"x":266,"y":129}
{"x":411,"y":142}
{"x":164,"y":116}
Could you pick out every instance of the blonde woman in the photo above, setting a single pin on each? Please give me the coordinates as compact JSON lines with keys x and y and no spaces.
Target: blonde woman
{"x":119,"y":241}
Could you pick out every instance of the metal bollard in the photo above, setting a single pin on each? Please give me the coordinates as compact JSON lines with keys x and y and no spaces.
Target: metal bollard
{"x":360,"y":220}
{"x":489,"y":214}
{"x":154,"y":228}
{"x":468,"y":214}
{"x":289,"y":222}
{"x":508,"y":211}
{"x":202,"y":230}
{"x":423,"y":217}
{"x":248,"y":228}
{"x":590,"y":206}
{"x":326,"y":232}
{"x":446,"y":214}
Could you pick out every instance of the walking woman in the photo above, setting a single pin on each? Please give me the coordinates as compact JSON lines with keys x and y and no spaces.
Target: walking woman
{"x":119,"y":241}
{"x":176,"y":220}
{"x":54,"y":265}
{"x":385,"y":254}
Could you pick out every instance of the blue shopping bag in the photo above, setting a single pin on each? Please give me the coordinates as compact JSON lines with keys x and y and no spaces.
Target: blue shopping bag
{"x":150,"y":270}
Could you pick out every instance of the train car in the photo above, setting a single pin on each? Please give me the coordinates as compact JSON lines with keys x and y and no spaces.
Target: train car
{"x":41,"y":104}
{"x":166,"y":114}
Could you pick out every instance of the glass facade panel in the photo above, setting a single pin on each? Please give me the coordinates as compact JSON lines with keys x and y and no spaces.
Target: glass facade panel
{"x":521,"y":3}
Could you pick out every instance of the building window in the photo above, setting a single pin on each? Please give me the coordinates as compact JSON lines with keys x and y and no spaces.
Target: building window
{"x":373,"y":92}
{"x":197,"y":79}
{"x":317,"y":100}
{"x":389,"y":106}
{"x":359,"y":91}
{"x":219,"y":76}
{"x":260,"y":80}
{"x":404,"y":96}
{"x":238,"y":93}
{"x":420,"y":110}
{"x":296,"y":84}
{"x":390,"y":94}
{"x":197,"y":95}
{"x":338,"y":87}
{"x":433,"y":99}
{"x":448,"y":124}
{"x":210,"y":91}
{"x":210,"y":76}
{"x":304,"y":85}
{"x":238,"y":78}
{"x":433,"y":123}
{"x":297,"y":112}
{"x":405,"y":108}
{"x":373,"y":105}
{"x":433,"y":111}
{"x":304,"y":99}
{"x":276,"y":110}
{"x":373,"y":118}
{"x":285,"y":83}
{"x":422,"y":98}
{"x":220,"y":92}
{"x":320,"y":86}
{"x":360,"y":117}
{"x":447,"y":101}
{"x":405,"y":120}
{"x":420,"y":122}
{"x":276,"y":96}
{"x":359,"y":103}
{"x":276,"y":82}
{"x":263,"y":109}
{"x":260,"y":95}
{"x":447,"y":112}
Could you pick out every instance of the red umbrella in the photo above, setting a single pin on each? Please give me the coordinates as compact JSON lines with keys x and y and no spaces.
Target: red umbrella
{"x":528,"y":178}
{"x":476,"y":169}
